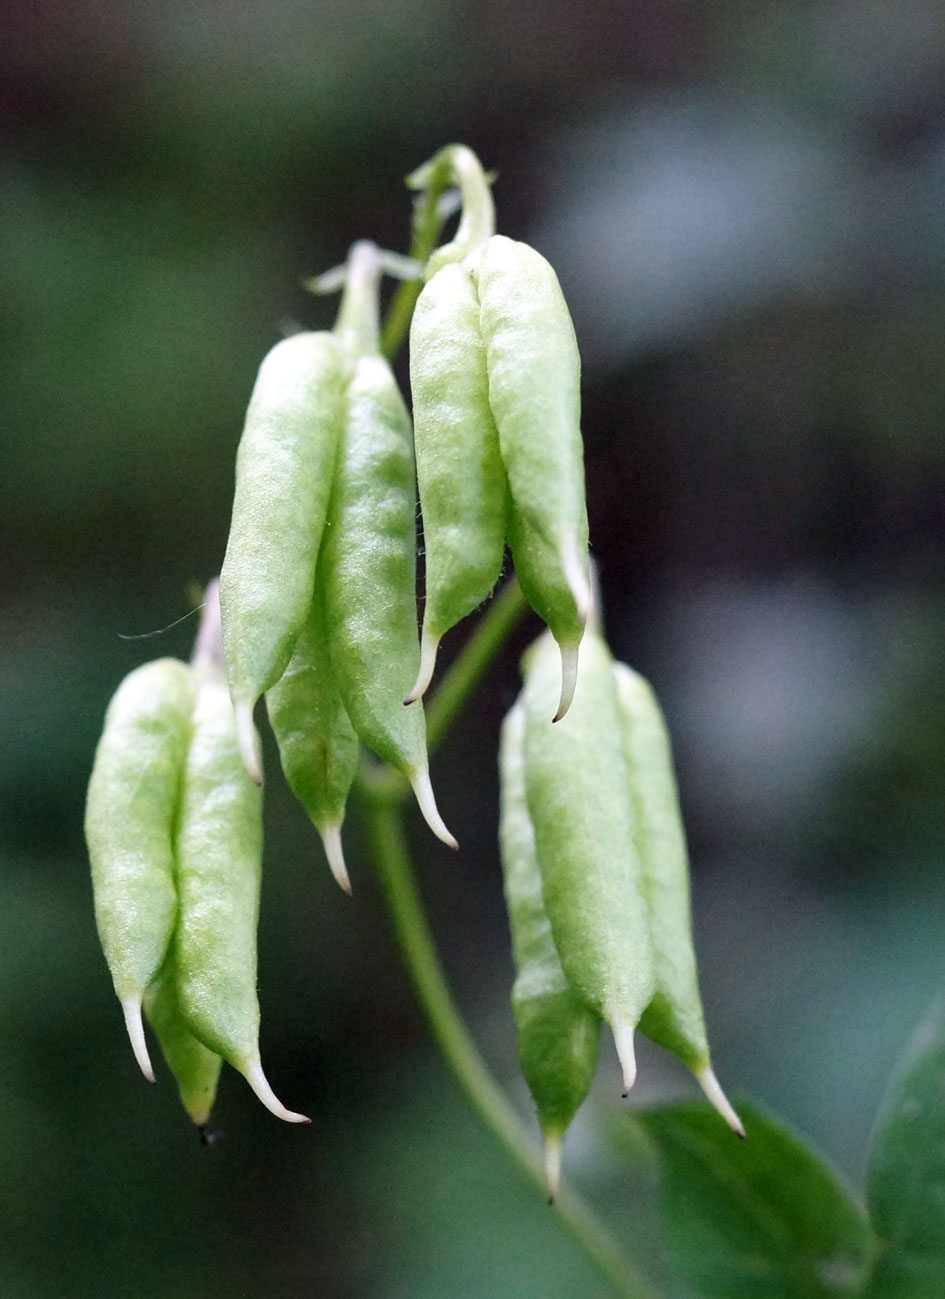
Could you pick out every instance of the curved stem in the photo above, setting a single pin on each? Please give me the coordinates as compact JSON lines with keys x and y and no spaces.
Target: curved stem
{"x":477,"y":223}
{"x":427,"y":224}
{"x":469,"y":1069}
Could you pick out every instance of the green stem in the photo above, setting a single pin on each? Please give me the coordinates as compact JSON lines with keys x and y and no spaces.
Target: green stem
{"x":427,"y":224}
{"x":469,"y":1069}
{"x":477,"y":222}
{"x":478,"y":652}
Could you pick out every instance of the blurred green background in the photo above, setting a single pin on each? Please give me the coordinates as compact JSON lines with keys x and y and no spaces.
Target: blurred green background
{"x":744,"y":205}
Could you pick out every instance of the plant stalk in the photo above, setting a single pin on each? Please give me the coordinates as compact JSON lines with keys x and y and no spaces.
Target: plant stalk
{"x":385,"y":831}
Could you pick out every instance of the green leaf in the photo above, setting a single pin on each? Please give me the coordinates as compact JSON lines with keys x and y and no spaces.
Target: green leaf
{"x":762,"y":1218}
{"x":906,"y":1173}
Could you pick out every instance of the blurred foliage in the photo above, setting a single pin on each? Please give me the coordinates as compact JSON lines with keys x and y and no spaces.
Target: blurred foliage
{"x":743,"y":202}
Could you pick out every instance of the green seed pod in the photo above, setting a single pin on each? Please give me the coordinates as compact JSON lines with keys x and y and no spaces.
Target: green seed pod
{"x":535,"y":394}
{"x":318,"y":745}
{"x":219,"y":851}
{"x":369,"y":560}
{"x":196,"y":1069}
{"x":557,"y":1034}
{"x":284,"y":472}
{"x":579,"y":803}
{"x":133,"y":798}
{"x":462,"y":481}
{"x":674,"y":1017}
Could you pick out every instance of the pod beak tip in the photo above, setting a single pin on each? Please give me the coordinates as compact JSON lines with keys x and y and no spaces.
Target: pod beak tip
{"x":716,"y":1097}
{"x":428,"y":648}
{"x":569,"y":670}
{"x":252,"y":1071}
{"x":331,"y":839}
{"x":552,"y":1164}
{"x":131,"y":1009}
{"x":623,"y":1040}
{"x":423,"y":792}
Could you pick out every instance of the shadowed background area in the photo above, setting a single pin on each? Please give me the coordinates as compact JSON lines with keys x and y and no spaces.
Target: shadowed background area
{"x":743,"y":203}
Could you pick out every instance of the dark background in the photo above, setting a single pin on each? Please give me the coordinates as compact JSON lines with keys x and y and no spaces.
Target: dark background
{"x":744,"y":205}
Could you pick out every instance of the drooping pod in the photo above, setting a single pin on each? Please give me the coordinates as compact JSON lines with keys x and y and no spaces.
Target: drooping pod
{"x":557,"y":1033}
{"x":579,"y":804}
{"x":284,"y":471}
{"x":219,"y":852}
{"x":459,"y":467}
{"x":674,"y":1018}
{"x":514,"y":320}
{"x":318,"y":745}
{"x":195,"y":1069}
{"x":534,"y":372}
{"x":130,"y":817}
{"x":368,"y":561}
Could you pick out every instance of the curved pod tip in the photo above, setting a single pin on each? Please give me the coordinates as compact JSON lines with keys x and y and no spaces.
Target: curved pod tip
{"x":331,"y":839}
{"x":552,"y":1164}
{"x":717,"y":1098}
{"x":252,"y":1071}
{"x":623,"y":1040}
{"x":569,"y":671}
{"x":131,"y":1009}
{"x":423,"y":792}
{"x":247,"y":740}
{"x":428,"y":648}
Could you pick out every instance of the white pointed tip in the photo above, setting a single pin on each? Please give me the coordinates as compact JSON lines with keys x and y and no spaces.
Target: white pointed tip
{"x":252,"y":1071}
{"x":716,"y":1097}
{"x":552,"y":1164}
{"x":131,"y":1009}
{"x":623,"y":1040}
{"x":569,"y":669}
{"x":331,"y":838}
{"x":575,"y":574}
{"x":428,"y":648}
{"x":247,"y":740}
{"x":423,"y":792}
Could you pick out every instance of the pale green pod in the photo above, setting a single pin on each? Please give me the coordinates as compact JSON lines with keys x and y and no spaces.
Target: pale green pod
{"x":130,"y":813}
{"x":557,"y":1033}
{"x":674,"y":1018}
{"x":579,"y":802}
{"x":195,"y":1069}
{"x":463,"y":490}
{"x":284,"y":471}
{"x":535,"y":394}
{"x":368,"y":562}
{"x":219,"y":857}
{"x":318,"y":746}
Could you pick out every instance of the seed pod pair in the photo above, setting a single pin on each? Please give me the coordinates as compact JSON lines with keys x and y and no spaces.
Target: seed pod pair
{"x":495,"y":378}
{"x":174,"y":831}
{"x":318,"y":585}
{"x":610,"y":861}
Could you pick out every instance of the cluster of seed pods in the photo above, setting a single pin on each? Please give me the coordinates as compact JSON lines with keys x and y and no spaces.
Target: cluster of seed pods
{"x":596,"y":884}
{"x":174,"y":830}
{"x":317,"y":613}
{"x":317,"y":589}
